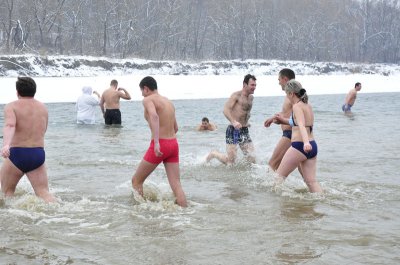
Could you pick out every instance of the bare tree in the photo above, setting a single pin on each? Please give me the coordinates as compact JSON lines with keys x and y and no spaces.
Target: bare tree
{"x":313,"y":30}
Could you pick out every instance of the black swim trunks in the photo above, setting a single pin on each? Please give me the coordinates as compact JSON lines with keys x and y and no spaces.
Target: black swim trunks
{"x":112,"y":116}
{"x":241,"y":136}
{"x":287,"y":134}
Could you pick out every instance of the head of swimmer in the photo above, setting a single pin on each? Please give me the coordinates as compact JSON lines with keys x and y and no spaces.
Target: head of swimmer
{"x":249,"y":83}
{"x":26,"y":87}
{"x":294,"y":88}
{"x":357,"y":86}
{"x":205,"y":123}
{"x":285,"y":75}
{"x":147,"y":85}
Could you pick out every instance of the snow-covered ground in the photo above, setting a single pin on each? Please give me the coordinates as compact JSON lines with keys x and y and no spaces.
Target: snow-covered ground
{"x":60,"y":78}
{"x":86,"y":66}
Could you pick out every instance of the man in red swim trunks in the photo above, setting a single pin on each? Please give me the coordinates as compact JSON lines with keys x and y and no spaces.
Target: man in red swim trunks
{"x":160,"y":114}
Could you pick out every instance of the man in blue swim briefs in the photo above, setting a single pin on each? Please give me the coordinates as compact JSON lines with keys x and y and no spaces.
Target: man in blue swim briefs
{"x":109,"y":103}
{"x":237,"y":111}
{"x":351,"y":98}
{"x":25,"y":124}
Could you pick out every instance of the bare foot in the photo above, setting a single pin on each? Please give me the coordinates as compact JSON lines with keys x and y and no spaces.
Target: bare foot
{"x":210,"y":156}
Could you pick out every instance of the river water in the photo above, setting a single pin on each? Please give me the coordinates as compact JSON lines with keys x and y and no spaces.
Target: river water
{"x":235,"y":215}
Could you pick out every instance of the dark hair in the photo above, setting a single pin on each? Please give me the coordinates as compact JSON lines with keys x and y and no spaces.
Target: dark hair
{"x":148,"y":81}
{"x":302,"y":94}
{"x":205,"y":119}
{"x":289,"y":73}
{"x":26,"y":87}
{"x":357,"y":84}
{"x":114,"y":82}
{"x":248,"y":77}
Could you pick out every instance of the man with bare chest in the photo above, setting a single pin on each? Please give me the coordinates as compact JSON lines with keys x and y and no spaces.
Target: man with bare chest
{"x":237,"y":111}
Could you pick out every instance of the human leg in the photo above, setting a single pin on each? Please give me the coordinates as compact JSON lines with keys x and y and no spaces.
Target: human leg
{"x":290,"y":162}
{"x":278,"y":153}
{"x":228,"y":158}
{"x":248,"y":151}
{"x":39,"y":181}
{"x":107,"y":117}
{"x":116,"y":119}
{"x":173,"y":174}
{"x":142,"y":172}
{"x":10,"y":175}
{"x":309,"y":169}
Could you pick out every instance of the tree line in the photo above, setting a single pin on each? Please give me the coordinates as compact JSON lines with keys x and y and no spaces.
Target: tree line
{"x":366,"y":31}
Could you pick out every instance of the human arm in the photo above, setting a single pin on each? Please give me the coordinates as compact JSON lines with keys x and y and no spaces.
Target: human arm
{"x":269,"y":121}
{"x":125,"y":94}
{"x":102,"y":104}
{"x":228,"y":109}
{"x":154,"y":123}
{"x":92,"y":101}
{"x":10,"y":122}
{"x":279,"y":118}
{"x":350,"y":98}
{"x":97,"y":94}
{"x":175,"y":126}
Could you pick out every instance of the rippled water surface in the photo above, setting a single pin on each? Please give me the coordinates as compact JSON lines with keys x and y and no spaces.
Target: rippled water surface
{"x":235,"y":215}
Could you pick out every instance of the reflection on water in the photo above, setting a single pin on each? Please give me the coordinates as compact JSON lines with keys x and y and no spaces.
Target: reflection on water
{"x":299,"y":211}
{"x":294,"y":254}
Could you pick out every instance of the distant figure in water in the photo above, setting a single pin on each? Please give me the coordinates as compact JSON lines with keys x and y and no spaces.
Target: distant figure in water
{"x":160,"y":115}
{"x":109,"y":103}
{"x":25,"y":124}
{"x":237,"y":111}
{"x":303,"y":151}
{"x":86,"y":106}
{"x":351,"y":98}
{"x":206,"y":125}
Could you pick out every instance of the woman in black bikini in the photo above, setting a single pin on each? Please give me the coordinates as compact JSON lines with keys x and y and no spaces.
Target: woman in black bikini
{"x":304,"y":149}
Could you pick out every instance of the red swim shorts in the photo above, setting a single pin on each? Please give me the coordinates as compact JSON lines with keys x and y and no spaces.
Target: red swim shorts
{"x":169,"y":148}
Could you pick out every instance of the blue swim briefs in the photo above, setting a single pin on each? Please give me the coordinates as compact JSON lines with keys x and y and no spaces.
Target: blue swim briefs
{"x":27,"y":159}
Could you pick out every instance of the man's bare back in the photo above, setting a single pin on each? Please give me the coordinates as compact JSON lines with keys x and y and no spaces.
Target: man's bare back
{"x":25,"y":124}
{"x":32,"y":120}
{"x":160,"y":115}
{"x":109,"y":103}
{"x":166,"y":113}
{"x":111,"y":98}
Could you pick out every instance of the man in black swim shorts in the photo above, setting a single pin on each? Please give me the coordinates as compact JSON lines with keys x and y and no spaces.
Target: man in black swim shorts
{"x":109,"y":103}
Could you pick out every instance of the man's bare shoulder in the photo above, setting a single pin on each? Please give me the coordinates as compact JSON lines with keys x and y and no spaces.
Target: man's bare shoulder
{"x":352,"y":91}
{"x":234,"y":97}
{"x":9,"y":107}
{"x":236,"y":94}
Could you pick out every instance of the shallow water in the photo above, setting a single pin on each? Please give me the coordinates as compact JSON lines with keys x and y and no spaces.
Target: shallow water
{"x":235,"y":215}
